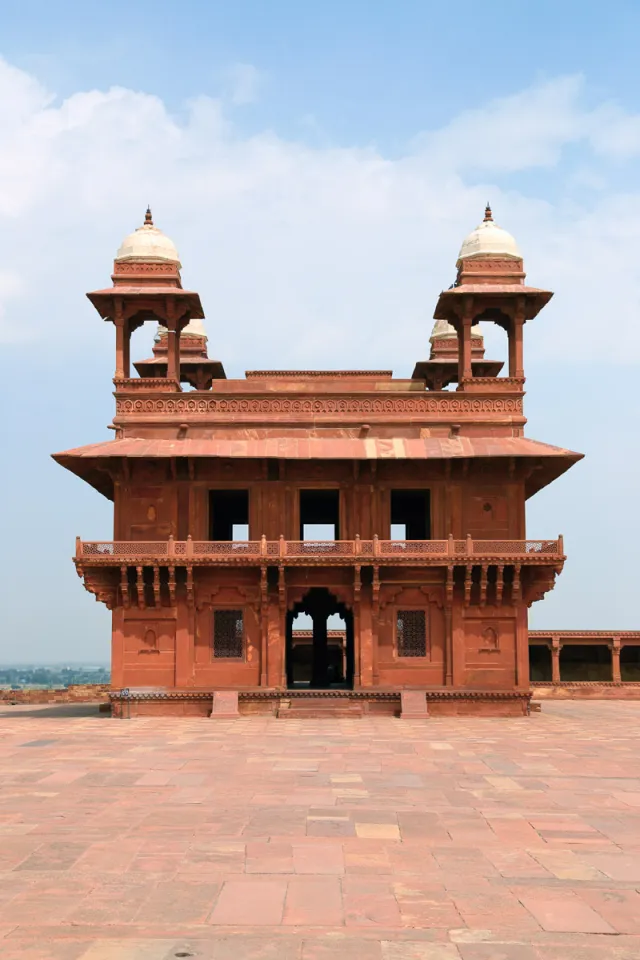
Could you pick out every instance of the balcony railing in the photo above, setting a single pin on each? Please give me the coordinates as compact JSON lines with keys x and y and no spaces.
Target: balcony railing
{"x":273,"y":552}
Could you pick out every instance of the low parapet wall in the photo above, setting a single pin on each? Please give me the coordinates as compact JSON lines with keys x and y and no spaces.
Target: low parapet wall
{"x":75,"y":693}
{"x":586,"y":690}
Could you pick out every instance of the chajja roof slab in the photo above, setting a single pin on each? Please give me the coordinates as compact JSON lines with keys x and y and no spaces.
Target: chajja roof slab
{"x":88,"y":462}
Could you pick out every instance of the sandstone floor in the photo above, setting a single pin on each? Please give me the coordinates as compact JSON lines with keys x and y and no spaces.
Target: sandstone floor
{"x":449,"y":839}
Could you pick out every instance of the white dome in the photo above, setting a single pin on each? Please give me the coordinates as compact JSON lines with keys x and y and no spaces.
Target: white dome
{"x":443,"y":329}
{"x":195,"y":328}
{"x":148,"y":243}
{"x":489,"y":240}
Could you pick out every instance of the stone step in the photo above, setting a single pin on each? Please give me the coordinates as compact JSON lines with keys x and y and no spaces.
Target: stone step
{"x":314,"y":708}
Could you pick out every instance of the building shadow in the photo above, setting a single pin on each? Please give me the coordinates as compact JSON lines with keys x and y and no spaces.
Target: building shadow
{"x":52,"y":710}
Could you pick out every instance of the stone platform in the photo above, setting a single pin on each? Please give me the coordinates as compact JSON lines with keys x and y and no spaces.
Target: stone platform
{"x":442,"y":701}
{"x":365,"y":839}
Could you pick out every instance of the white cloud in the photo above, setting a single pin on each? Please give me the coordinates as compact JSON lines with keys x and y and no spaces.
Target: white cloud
{"x":323,"y":255}
{"x":246,"y":82}
{"x":525,"y":129}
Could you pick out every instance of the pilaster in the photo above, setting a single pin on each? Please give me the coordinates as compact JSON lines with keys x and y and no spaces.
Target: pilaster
{"x":117,"y":648}
{"x":185,"y":644}
{"x":556,"y":647}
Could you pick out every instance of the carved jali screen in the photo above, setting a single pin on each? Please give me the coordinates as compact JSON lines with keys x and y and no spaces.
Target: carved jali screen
{"x":228,"y":634}
{"x":411,"y":633}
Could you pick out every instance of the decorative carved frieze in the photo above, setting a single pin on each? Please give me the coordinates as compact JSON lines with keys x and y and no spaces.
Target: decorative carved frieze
{"x":317,"y":374}
{"x":146,"y":385}
{"x":158,"y":269}
{"x":237,"y":407}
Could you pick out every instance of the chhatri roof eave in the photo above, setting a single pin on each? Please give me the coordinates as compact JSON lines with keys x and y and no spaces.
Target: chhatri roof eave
{"x":535,"y":297}
{"x":103,"y":300}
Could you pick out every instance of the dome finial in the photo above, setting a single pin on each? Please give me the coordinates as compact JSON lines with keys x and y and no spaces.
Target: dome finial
{"x":487,"y":213}
{"x":148,"y":219}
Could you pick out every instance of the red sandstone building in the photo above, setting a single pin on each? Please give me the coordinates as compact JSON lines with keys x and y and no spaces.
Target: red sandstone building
{"x":418,"y":486}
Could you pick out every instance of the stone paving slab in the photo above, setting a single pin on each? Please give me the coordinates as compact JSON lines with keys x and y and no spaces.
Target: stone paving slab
{"x":336,"y":839}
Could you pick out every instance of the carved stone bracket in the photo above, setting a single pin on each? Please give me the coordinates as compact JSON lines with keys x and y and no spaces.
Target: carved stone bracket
{"x":468,"y":581}
{"x":432,"y":596}
{"x":190,"y":591}
{"x":499,"y":583}
{"x":539,"y":586}
{"x":140,"y":587}
{"x":484,"y":580}
{"x":101,"y":585}
{"x":517,"y":584}
{"x":449,"y":586}
{"x":124,"y":588}
{"x":357,"y":584}
{"x":156,"y":585}
{"x":376,"y":590}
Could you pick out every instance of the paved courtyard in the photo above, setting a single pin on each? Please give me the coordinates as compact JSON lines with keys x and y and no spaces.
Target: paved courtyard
{"x":456,"y":839}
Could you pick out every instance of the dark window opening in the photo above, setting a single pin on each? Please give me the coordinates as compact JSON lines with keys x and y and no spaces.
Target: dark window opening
{"x":630,"y":662}
{"x":540,"y":663}
{"x":319,"y":514}
{"x":411,"y":633}
{"x":228,"y":634}
{"x":585,"y":662}
{"x":410,"y":515}
{"x":229,"y":515}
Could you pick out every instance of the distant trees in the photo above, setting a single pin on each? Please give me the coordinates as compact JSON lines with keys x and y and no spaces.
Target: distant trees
{"x":17,"y":678}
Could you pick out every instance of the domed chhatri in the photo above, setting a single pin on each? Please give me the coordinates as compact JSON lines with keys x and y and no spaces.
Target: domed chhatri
{"x":148,"y":244}
{"x":489,"y":240}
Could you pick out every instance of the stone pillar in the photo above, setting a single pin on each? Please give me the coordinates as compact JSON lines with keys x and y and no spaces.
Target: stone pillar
{"x":264,"y":625}
{"x":464,"y":347}
{"x":185,"y":647}
{"x":117,"y":648}
{"x":368,"y":633}
{"x":320,"y":651}
{"x":123,"y":339}
{"x":275,"y":644}
{"x":173,"y":343}
{"x":351,"y":629}
{"x":615,"y":660}
{"x":516,"y":337}
{"x":556,"y":647}
{"x":458,"y":664}
{"x":448,"y":646}
{"x":522,"y":647}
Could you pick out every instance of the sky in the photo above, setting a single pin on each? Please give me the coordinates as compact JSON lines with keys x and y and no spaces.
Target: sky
{"x":317,"y":166}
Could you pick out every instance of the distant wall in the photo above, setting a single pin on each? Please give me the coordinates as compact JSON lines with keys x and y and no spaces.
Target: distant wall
{"x":75,"y":693}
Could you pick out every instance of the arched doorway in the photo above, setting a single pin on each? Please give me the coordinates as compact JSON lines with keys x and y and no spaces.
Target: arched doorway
{"x":322,"y":659}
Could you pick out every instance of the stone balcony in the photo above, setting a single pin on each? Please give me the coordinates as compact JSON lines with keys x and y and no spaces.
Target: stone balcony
{"x":283,"y":552}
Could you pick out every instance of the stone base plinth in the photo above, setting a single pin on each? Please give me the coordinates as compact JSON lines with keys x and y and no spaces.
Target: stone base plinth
{"x":413,"y":705}
{"x":225,"y":705}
